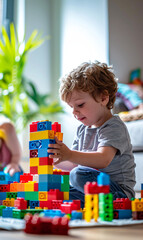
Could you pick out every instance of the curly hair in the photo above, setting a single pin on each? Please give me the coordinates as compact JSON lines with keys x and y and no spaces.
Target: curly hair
{"x":92,"y":77}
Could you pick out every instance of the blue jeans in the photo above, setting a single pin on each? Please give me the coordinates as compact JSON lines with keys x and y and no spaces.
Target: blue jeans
{"x":78,"y":178}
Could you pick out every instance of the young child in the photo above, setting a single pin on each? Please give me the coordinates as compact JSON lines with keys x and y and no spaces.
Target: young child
{"x":10,"y":149}
{"x":102,"y":142}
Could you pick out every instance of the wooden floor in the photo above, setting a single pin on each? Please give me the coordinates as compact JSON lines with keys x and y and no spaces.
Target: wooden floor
{"x":99,"y":233}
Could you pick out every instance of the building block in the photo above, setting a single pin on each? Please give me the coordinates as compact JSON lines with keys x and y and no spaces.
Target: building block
{"x":20,"y":203}
{"x":41,"y":135}
{"x":2,"y":176}
{"x":1,"y":208}
{"x":122,"y":214}
{"x":103,"y":179}
{"x":34,"y":170}
{"x":53,"y":213}
{"x":34,"y":153}
{"x":32,"y":196}
{"x":137,"y":205}
{"x":122,"y":203}
{"x":55,"y":194}
{"x":45,"y":161}
{"x":7,"y":212}
{"x":11,"y":195}
{"x":44,"y":125}
{"x":8,"y":202}
{"x":34,"y":162}
{"x":91,"y":188}
{"x":59,"y":135}
{"x":4,"y":188}
{"x":33,"y":127}
{"x":26,"y":177}
{"x":45,"y":169}
{"x":76,"y":215}
{"x":13,"y":187}
{"x":43,"y":196}
{"x":56,"y":127}
{"x":43,"y":143}
{"x":33,"y":204}
{"x":137,"y":215}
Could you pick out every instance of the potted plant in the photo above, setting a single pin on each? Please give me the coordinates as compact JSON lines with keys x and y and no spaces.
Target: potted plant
{"x":16,"y":92}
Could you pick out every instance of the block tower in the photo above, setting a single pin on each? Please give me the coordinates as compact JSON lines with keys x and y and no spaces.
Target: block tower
{"x":53,"y":184}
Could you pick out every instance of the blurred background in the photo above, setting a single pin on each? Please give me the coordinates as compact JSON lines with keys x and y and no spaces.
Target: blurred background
{"x":79,"y":30}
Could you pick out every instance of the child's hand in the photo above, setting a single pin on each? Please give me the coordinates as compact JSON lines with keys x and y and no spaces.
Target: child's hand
{"x":60,"y":150}
{"x":12,"y":168}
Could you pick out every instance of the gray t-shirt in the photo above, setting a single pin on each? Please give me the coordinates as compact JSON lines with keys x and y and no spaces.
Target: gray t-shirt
{"x":112,"y":133}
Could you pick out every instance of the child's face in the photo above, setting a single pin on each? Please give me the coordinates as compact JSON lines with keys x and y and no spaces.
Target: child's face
{"x":87,"y":110}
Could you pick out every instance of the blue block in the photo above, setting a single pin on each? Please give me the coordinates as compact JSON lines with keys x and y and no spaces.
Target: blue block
{"x":43,"y":152}
{"x":53,"y":213}
{"x":43,"y":186}
{"x":76,"y":215}
{"x":2,"y":195}
{"x":45,"y":178}
{"x":141,"y":186}
{"x":124,"y":213}
{"x":33,"y":204}
{"x":45,"y":125}
{"x":103,"y":179}
{"x":7,"y":212}
{"x":40,"y":143}
{"x":14,"y":178}
{"x":21,"y":194}
{"x":2,"y":176}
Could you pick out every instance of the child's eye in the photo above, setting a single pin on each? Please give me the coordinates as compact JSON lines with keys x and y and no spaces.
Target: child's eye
{"x":81,"y":105}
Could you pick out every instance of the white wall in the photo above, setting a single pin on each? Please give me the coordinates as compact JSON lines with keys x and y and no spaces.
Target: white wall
{"x":125,"y":36}
{"x":78,"y":32}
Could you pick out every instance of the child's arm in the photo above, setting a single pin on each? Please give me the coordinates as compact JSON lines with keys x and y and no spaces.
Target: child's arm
{"x":99,"y":159}
{"x":14,"y":147}
{"x":66,"y":165}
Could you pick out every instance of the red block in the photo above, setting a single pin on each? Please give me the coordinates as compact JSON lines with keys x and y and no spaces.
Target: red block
{"x":56,"y":127}
{"x":47,"y":204}
{"x":26,"y":177}
{"x":91,"y":188}
{"x":33,"y":153}
{"x":56,"y":204}
{"x":34,"y":170}
{"x":36,"y":187}
{"x":55,"y":194}
{"x":20,"y":203}
{"x":33,"y":127}
{"x":104,"y":189}
{"x":68,"y":207}
{"x":122,"y":203}
{"x":4,"y":187}
{"x":45,"y":161}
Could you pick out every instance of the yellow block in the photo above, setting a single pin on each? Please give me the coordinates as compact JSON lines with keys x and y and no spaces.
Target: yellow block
{"x":47,"y":134}
{"x":45,"y":169}
{"x":66,"y":195}
{"x":34,"y":162}
{"x":8,"y":202}
{"x":59,"y":135}
{"x":137,"y":205}
{"x":29,"y":186}
{"x":43,"y":196}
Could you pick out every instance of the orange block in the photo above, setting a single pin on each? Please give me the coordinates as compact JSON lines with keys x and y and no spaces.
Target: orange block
{"x":14,"y":187}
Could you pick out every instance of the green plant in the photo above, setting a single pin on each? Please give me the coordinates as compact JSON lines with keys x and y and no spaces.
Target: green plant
{"x":17,"y":94}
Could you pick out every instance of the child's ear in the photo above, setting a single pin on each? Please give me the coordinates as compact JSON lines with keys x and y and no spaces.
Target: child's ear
{"x":104,"y":98}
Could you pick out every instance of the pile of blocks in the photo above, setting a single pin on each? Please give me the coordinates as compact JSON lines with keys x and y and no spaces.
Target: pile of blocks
{"x":42,"y":195}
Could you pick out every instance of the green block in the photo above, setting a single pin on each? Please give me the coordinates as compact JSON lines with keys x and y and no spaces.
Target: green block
{"x":19,"y":214}
{"x":106,"y":216}
{"x":1,"y":208}
{"x":32,"y":196}
{"x":106,"y":198}
{"x":65,"y":183}
{"x":105,"y":207}
{"x":33,"y":211}
{"x":11,"y":195}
